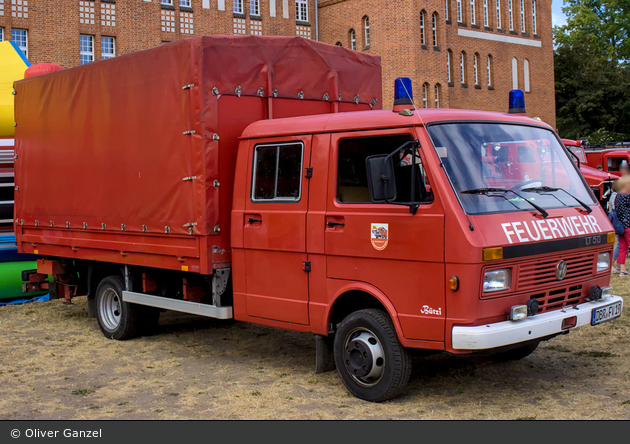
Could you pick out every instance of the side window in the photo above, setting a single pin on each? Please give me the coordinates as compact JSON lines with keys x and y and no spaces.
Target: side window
{"x":277,"y":174}
{"x":352,"y":182}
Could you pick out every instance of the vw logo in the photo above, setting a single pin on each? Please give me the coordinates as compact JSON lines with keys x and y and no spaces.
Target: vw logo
{"x":561,"y":270}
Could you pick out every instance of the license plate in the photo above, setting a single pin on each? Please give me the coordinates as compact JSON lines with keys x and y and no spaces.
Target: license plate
{"x":606,"y":313}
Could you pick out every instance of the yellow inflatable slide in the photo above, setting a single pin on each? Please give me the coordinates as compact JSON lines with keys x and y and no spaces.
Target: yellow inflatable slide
{"x":13,"y":63}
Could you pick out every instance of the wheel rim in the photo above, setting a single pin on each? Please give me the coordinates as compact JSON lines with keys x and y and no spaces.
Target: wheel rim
{"x":364,"y":357}
{"x":110,"y":309}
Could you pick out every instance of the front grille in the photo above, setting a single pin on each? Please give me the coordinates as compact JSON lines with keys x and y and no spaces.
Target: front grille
{"x":541,"y":273}
{"x":559,"y":298}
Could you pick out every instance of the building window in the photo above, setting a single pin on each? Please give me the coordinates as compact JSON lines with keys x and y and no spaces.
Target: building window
{"x":108,"y":47}
{"x":522,"y":15}
{"x":489,"y":70}
{"x":168,"y":20}
{"x":20,"y":38}
{"x":473,"y":20}
{"x":185,"y":3}
{"x":434,"y":28}
{"x":19,"y":8}
{"x":237,"y":6}
{"x":301,"y":10}
{"x":485,"y":13}
{"x":437,"y":95}
{"x":186,"y":22}
{"x":514,"y":73}
{"x":459,"y":11}
{"x":446,"y":11}
{"x":167,"y":2}
{"x":338,"y":44}
{"x":254,"y":7}
{"x":498,"y":14}
{"x":475,"y":68}
{"x":526,"y":75}
{"x":366,"y":30}
{"x":511,"y":15}
{"x":1,"y":34}
{"x":87,"y":49}
{"x":277,"y":170}
{"x":108,"y":14}
{"x":86,"y":12}
{"x":353,"y":40}
{"x":462,"y":71}
{"x":422,"y":37}
{"x":449,"y":76}
{"x":425,"y":91}
{"x":534,"y":27}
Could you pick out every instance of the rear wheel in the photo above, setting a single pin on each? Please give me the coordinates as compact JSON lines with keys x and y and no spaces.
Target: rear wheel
{"x":517,"y":353}
{"x":117,"y":319}
{"x":371,"y":362}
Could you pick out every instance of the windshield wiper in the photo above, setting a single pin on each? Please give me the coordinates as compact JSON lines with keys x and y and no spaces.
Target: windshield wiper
{"x":588,"y":209}
{"x":488,"y":191}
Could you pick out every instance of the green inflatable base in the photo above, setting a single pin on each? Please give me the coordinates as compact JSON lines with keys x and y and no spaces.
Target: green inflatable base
{"x":11,"y":279}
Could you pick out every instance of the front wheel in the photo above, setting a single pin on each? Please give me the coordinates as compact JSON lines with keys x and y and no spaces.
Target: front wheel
{"x":370,"y":359}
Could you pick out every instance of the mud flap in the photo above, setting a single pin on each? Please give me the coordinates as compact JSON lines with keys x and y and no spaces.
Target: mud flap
{"x":324,"y":359}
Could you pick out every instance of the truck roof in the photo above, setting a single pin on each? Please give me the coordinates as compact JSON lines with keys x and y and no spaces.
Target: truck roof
{"x":377,"y":119}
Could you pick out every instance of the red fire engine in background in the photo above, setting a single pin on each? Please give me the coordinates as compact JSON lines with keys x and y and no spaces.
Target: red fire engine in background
{"x":255,"y":178}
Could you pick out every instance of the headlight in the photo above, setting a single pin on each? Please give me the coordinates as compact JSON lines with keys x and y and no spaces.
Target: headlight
{"x":603,"y":262}
{"x":496,"y":280}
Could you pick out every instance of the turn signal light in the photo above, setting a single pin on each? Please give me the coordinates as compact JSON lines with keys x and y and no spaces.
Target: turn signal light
{"x":492,"y":254}
{"x":453,"y":283}
{"x":610,"y":238}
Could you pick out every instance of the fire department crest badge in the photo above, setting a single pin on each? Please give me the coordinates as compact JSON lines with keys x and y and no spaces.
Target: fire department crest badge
{"x":379,"y":235}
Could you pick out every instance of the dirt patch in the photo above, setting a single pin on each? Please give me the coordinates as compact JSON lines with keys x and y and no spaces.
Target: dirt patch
{"x":56,"y":364}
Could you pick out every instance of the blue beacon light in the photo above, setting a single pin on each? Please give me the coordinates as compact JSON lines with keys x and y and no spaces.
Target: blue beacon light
{"x":517,"y":102}
{"x":403,"y":91}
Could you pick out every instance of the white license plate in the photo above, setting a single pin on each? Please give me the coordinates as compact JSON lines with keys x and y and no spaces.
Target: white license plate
{"x":606,"y":313}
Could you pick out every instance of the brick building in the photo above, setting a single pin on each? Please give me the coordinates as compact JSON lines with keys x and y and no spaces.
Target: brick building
{"x":459,"y":53}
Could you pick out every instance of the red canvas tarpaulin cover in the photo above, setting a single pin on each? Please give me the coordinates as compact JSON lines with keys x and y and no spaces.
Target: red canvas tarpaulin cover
{"x":132,"y":146}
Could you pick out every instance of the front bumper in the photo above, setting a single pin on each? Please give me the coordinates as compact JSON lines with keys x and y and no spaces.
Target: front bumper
{"x":488,"y":336}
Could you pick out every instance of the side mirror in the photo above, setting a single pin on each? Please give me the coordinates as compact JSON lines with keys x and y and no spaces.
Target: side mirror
{"x":381,"y":179}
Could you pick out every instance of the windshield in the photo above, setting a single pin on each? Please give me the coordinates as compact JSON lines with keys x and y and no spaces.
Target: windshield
{"x":496,"y":167}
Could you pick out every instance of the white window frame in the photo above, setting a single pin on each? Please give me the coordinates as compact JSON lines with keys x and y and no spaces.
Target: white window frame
{"x":254,"y":8}
{"x":526,"y":86}
{"x":24,"y":48}
{"x":425,"y":92}
{"x":166,"y":2}
{"x":473,"y":16}
{"x":475,"y":70}
{"x":459,"y":11}
{"x":353,"y":40}
{"x":489,"y":70}
{"x":514,"y":73}
{"x":523,"y":16}
{"x":434,"y":28}
{"x":498,"y":14}
{"x":446,"y":10}
{"x":462,"y":68}
{"x":423,"y":40}
{"x":534,"y":25}
{"x":448,"y":66}
{"x":366,"y":31}
{"x":511,"y":15}
{"x":301,"y":10}
{"x":485,"y":13}
{"x":185,"y":3}
{"x":104,"y":55}
{"x":437,"y":95}
{"x":82,"y":52}
{"x":237,"y":6}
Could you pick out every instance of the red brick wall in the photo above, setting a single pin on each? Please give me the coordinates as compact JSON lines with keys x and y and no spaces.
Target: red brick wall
{"x":395,"y":36}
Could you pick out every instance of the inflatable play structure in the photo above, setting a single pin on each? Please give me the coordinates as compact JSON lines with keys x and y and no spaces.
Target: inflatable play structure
{"x":13,"y":66}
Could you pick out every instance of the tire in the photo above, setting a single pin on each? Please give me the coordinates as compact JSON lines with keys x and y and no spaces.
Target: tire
{"x":117,"y":319}
{"x":377,"y":368}
{"x":517,"y":353}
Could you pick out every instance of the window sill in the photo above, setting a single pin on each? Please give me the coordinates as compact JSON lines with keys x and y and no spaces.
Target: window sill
{"x":448,"y":22}
{"x":239,"y":15}
{"x":301,"y":23}
{"x":487,"y":28}
{"x":524,"y":34}
{"x":169,"y":7}
{"x":186,"y":9}
{"x":424,"y":47}
{"x":436,"y":48}
{"x":474,"y":26}
{"x":536,"y":36}
{"x":464,"y":85}
{"x":490,"y":88}
{"x":255,"y":17}
{"x":477,"y":86}
{"x":502,"y":31}
{"x":513,"y":32}
{"x":462,"y":24}
{"x":108,"y":1}
{"x":450,"y":84}
{"x":366,"y":47}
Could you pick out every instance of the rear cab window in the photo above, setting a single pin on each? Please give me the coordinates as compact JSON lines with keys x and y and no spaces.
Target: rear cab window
{"x":277,"y":172}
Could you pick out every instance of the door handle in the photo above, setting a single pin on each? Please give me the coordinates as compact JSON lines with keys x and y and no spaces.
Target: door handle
{"x":251,"y":220}
{"x":330,"y":223}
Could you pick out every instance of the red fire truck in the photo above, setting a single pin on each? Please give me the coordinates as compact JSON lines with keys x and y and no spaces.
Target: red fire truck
{"x":599,"y":180}
{"x":250,"y":178}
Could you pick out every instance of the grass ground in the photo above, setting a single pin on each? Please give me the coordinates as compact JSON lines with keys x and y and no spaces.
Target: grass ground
{"x":56,"y":364}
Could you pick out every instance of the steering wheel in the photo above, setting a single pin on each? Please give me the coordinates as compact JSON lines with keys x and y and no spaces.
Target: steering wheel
{"x":523,"y":184}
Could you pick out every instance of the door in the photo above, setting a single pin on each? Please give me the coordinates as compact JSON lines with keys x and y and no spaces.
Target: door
{"x":274,"y":234}
{"x":400,"y":254}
